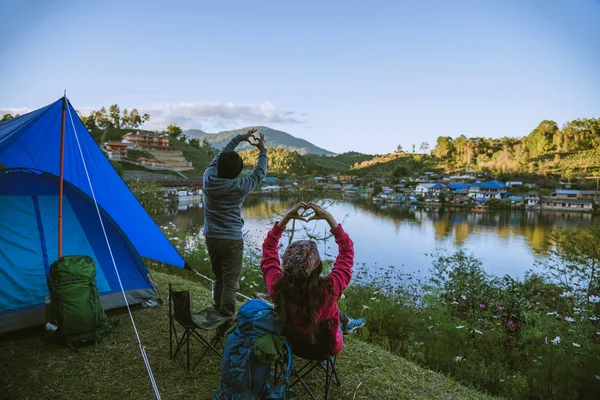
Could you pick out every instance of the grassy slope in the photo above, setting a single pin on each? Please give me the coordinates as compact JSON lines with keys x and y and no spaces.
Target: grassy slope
{"x":383,"y":166}
{"x":339,"y":163}
{"x":34,"y":369}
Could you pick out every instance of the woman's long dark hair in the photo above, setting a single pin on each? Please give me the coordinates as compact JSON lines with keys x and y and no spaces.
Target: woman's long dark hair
{"x":299,"y":300}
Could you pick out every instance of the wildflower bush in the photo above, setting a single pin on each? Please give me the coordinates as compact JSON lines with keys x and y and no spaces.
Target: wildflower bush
{"x":533,"y":338}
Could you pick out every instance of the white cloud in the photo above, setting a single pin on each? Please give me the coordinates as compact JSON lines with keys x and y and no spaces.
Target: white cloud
{"x":217,"y":115}
{"x":209,"y":116}
{"x":14,"y":111}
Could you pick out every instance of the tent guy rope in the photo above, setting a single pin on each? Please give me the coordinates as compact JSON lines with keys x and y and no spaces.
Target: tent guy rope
{"x":142,"y":347}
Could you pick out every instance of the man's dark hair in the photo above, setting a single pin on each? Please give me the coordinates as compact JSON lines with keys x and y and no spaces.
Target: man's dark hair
{"x":230,"y":165}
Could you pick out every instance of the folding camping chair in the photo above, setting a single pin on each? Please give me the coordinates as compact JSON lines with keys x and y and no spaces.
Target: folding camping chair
{"x":317,"y":357}
{"x":205,"y":320}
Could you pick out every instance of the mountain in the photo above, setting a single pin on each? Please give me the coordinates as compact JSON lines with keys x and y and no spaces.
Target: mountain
{"x":195,"y":133}
{"x":274,"y":138}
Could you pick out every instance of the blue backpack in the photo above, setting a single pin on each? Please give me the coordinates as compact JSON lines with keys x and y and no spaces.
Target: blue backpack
{"x":254,"y":345}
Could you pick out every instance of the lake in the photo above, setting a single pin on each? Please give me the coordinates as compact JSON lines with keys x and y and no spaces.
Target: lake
{"x":508,"y":242}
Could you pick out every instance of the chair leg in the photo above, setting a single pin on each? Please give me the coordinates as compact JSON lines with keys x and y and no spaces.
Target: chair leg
{"x":171,"y":337}
{"x":301,"y":380}
{"x":212,"y":345}
{"x":171,"y":322}
{"x":333,"y":371}
{"x":179,"y":349}
{"x":328,"y":378}
{"x":188,"y":353}
{"x":327,"y":366}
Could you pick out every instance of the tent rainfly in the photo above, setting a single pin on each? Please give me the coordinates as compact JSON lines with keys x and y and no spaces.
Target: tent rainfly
{"x":30,"y":148}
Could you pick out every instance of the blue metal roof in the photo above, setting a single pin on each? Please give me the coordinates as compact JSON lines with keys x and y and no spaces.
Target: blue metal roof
{"x":459,"y":186}
{"x":573,"y":192}
{"x":490,"y":185}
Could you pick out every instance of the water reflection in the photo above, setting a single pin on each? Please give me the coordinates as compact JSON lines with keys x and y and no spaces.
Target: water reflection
{"x":508,"y":242}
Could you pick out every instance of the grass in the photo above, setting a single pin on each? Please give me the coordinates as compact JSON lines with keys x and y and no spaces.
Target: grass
{"x":32,"y":368}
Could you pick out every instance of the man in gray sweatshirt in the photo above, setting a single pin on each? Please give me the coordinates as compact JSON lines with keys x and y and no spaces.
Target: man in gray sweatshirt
{"x":224,"y":195}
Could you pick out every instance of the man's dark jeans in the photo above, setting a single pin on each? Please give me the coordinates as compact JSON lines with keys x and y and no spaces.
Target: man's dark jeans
{"x":226,"y":260}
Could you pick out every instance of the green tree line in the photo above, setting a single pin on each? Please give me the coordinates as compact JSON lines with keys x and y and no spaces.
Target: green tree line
{"x":576,"y":144}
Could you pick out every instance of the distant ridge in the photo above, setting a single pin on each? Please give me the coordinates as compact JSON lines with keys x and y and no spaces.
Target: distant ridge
{"x":274,"y":138}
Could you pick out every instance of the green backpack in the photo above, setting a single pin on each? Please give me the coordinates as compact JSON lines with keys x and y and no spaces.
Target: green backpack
{"x":75,"y":306}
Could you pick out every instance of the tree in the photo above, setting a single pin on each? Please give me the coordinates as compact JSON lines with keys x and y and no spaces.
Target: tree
{"x":444,"y":147}
{"x":6,"y":117}
{"x":399,"y":148}
{"x":114,"y":114}
{"x":569,"y":174}
{"x":174,"y":131}
{"x":132,"y":119}
{"x":399,"y":171}
{"x":377,"y":189}
{"x":102,"y":119}
{"x":89,"y":122}
{"x":414,"y":147}
{"x":195,"y":142}
{"x":424,"y":147}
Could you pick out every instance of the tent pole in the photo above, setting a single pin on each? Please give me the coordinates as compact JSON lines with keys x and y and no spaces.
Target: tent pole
{"x":60,"y":185}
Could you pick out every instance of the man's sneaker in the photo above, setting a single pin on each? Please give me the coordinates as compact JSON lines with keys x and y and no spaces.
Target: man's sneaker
{"x":353,"y":324}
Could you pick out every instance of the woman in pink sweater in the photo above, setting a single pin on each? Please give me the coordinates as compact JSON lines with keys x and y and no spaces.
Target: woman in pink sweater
{"x":304,"y":300}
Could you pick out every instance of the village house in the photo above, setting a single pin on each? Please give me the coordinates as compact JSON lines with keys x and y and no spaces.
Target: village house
{"x":532,"y":200}
{"x":144,"y":139}
{"x":158,"y":146}
{"x":566,"y":203}
{"x":588,"y":194}
{"x":433,"y":189}
{"x":343,"y":178}
{"x":513,"y":183}
{"x":487,"y":190}
{"x":117,"y":147}
{"x":270,"y":189}
{"x":565,"y":194}
{"x":459,"y":188}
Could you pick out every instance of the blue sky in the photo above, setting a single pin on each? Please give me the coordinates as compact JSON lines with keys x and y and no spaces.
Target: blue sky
{"x":363,"y":76}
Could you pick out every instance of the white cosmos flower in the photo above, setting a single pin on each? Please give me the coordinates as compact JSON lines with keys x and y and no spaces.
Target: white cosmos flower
{"x":594,"y":318}
{"x":594,"y":299}
{"x":460,"y":327}
{"x":556,"y":340}
{"x":569,"y":319}
{"x":576,"y":345}
{"x":476,"y":331}
{"x":462,"y":296}
{"x":458,"y":358}
{"x":552,"y":313}
{"x":566,"y":294}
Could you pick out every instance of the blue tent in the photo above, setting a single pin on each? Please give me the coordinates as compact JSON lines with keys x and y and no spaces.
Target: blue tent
{"x":30,"y":156}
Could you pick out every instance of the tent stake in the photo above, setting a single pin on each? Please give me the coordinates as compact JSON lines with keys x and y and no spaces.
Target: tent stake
{"x":60,"y":185}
